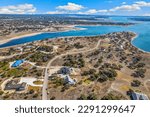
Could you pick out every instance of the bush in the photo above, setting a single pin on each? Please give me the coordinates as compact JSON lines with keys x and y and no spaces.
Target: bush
{"x":109,"y":73}
{"x":135,"y":83}
{"x":139,"y":73}
{"x":78,"y":45}
{"x":82,"y":97}
{"x":90,"y":72}
{"x":92,"y":97}
{"x":1,"y":92}
{"x":102,"y":78}
{"x":111,"y":96}
{"x":31,"y":91}
{"x":53,"y":98}
{"x":35,"y":95}
{"x":6,"y":97}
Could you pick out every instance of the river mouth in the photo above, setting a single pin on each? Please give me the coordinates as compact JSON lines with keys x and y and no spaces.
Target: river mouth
{"x":142,"y":29}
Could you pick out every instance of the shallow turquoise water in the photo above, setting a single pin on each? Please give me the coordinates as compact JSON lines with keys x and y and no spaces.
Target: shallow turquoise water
{"x":142,"y":29}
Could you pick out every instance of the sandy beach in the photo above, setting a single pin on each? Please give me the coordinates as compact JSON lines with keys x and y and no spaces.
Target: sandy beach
{"x":20,"y":35}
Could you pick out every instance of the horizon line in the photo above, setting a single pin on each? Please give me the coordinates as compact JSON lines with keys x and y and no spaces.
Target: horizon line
{"x":82,"y":14}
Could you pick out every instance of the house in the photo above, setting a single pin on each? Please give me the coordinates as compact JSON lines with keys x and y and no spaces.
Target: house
{"x":69,"y":80}
{"x":13,"y":85}
{"x":17,"y":63}
{"x":138,"y":96}
{"x":65,"y":70}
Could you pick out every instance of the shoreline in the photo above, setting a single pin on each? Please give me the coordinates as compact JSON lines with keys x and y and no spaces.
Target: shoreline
{"x":17,"y":37}
{"x":136,"y":35}
{"x":74,"y":28}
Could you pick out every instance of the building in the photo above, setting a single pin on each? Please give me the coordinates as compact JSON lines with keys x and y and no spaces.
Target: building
{"x":65,"y":70}
{"x":69,"y":80}
{"x":14,"y":85}
{"x":17,"y":63}
{"x":138,"y":96}
{"x":64,"y":73}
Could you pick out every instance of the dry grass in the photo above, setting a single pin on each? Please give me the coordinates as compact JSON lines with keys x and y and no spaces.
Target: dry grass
{"x":123,"y":76}
{"x":38,"y":82}
{"x":124,"y":88}
{"x":87,"y":82}
{"x":34,"y":88}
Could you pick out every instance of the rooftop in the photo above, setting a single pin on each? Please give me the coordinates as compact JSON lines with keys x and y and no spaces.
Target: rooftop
{"x":14,"y":85}
{"x":17,"y":63}
{"x":69,"y":80}
{"x":139,"y":96}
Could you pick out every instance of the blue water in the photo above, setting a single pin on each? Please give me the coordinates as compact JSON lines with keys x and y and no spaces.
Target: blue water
{"x":142,"y":29}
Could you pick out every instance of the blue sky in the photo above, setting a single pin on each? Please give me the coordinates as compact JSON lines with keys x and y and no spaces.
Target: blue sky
{"x":100,"y":7}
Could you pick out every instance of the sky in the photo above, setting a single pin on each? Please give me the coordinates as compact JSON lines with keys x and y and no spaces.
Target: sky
{"x":91,"y":7}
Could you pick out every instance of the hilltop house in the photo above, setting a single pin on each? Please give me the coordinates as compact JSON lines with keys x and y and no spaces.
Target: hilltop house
{"x":14,"y":85}
{"x":65,"y":70}
{"x":138,"y":96}
{"x":69,"y":80}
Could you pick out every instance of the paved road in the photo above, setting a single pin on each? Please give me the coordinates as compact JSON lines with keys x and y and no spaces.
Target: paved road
{"x":45,"y":84}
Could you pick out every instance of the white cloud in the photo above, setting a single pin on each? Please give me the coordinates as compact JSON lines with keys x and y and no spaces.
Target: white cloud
{"x":103,"y":11}
{"x":18,"y":9}
{"x":147,"y":14}
{"x":55,"y":12}
{"x":133,"y":7}
{"x":143,"y":4}
{"x":123,"y":3}
{"x":91,"y":11}
{"x":71,"y":7}
{"x":126,"y":8}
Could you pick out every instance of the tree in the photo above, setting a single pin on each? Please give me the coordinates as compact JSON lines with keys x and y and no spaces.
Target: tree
{"x":53,"y":98}
{"x":1,"y":92}
{"x":35,"y":95}
{"x":139,"y":73}
{"x":92,"y":97}
{"x":82,"y":97}
{"x":135,"y":83}
{"x":102,"y":78}
{"x":111,"y":96}
{"x":31,"y":91}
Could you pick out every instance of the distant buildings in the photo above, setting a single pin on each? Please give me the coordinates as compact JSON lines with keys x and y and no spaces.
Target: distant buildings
{"x":14,"y":85}
{"x":17,"y":63}
{"x":138,"y":96}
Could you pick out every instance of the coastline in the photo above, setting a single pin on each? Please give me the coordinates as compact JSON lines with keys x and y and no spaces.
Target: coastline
{"x":67,"y":28}
{"x":20,"y":36}
{"x":72,"y":28}
{"x":136,"y":35}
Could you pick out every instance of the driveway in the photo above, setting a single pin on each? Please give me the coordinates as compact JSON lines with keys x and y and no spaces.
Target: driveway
{"x":30,"y":81}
